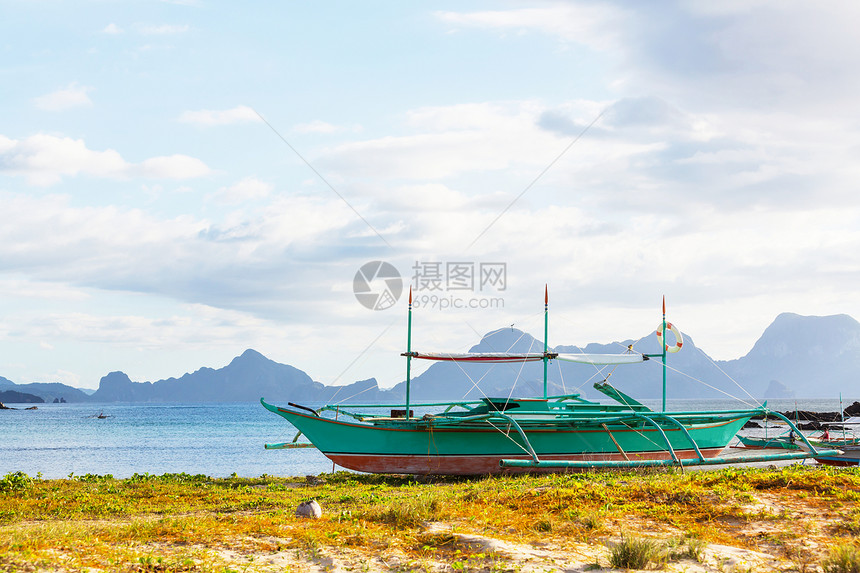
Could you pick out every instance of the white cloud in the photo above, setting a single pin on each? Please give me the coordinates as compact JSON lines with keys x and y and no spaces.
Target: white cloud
{"x":238,"y":114}
{"x":290,"y":219}
{"x":116,"y":248}
{"x":449,"y":141}
{"x":45,"y":159}
{"x":248,"y":189}
{"x":723,"y":55}
{"x":112,"y":30}
{"x":65,"y":377}
{"x":70,"y":97}
{"x":435,"y":197}
{"x":171,"y":167}
{"x":426,"y":156}
{"x":6,"y":144}
{"x":504,"y":140}
{"x":594,"y":24}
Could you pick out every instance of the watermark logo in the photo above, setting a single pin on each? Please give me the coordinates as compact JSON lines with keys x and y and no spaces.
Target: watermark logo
{"x":377,"y":285}
{"x":460,"y":275}
{"x":439,"y":285}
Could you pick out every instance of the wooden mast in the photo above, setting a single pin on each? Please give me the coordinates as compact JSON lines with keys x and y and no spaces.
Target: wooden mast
{"x":545,"y":335}
{"x":663,"y":351}
{"x":408,"y":353}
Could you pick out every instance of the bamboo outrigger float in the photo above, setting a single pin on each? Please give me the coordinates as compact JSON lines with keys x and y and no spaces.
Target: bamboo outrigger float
{"x":547,"y":434}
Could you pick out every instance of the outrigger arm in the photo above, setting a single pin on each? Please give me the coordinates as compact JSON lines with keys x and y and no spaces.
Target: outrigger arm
{"x":597,"y":464}
{"x":700,"y":460}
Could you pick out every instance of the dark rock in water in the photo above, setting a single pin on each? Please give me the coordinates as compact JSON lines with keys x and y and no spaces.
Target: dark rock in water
{"x":852,"y":410}
{"x":5,"y":407}
{"x":751,"y":424}
{"x":815,"y":420}
{"x":812,"y":416}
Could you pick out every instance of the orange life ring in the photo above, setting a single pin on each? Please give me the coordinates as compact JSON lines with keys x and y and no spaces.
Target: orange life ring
{"x":679,"y":342}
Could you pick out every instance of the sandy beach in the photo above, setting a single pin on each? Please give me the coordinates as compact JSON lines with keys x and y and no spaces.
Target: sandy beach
{"x":771,"y":519}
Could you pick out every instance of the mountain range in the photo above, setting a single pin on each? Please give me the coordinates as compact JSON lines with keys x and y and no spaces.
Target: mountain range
{"x":796,"y":356}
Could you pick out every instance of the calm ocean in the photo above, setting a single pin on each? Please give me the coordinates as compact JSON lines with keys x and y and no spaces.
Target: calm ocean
{"x":212,"y":439}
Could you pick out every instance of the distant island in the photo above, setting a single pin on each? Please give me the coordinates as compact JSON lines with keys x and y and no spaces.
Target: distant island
{"x":14,"y":397}
{"x":796,"y":356}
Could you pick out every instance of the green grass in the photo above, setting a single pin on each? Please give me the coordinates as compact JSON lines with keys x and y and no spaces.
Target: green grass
{"x":172,"y":521}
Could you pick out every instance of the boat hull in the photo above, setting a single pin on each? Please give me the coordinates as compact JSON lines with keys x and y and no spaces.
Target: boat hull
{"x":850,"y":456}
{"x":483,"y":464}
{"x":839,"y":461}
{"x":850,"y":448}
{"x":420,"y":447}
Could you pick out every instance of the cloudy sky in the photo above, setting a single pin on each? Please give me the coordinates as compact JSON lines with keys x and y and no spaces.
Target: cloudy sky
{"x":180,"y":181}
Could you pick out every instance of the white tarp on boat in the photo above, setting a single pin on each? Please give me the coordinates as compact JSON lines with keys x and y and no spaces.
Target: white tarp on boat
{"x":602,"y":359}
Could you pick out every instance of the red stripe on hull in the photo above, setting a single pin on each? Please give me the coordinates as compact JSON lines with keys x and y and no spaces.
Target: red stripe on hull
{"x":839,"y":462}
{"x":481,"y":465}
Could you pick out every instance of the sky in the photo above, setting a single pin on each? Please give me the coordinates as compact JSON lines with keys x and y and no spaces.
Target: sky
{"x":181,"y":181}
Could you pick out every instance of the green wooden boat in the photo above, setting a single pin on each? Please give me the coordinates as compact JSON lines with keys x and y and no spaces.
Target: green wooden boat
{"x":545,"y":434}
{"x":847,"y":446}
{"x":781,"y":442}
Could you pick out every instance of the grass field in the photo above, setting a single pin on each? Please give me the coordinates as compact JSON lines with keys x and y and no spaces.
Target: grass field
{"x":793,"y":518}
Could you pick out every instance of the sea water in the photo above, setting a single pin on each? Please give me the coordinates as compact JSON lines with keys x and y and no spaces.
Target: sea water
{"x":215,"y":439}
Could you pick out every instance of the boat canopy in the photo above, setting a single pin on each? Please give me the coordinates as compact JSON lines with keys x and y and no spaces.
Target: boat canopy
{"x":853,"y":421}
{"x":506,"y":357}
{"x":603,"y":358}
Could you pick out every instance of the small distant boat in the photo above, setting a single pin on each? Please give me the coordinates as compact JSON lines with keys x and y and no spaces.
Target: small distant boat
{"x":847,"y":445}
{"x":539,"y":434}
{"x":100,"y":416}
{"x":777,"y":443}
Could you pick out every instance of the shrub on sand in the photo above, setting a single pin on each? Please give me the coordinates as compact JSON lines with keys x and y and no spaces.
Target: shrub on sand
{"x":844,"y":558}
{"x":637,"y":553}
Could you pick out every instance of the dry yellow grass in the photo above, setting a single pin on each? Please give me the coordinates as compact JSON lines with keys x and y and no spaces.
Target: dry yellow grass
{"x":788,"y":518}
